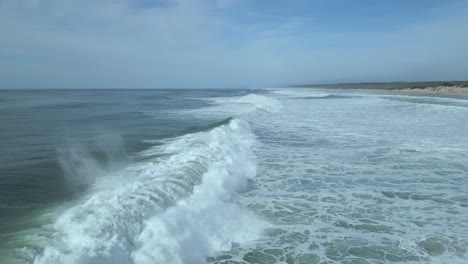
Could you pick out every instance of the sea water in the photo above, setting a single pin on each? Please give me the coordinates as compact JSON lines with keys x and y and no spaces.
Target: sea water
{"x":232,"y":176}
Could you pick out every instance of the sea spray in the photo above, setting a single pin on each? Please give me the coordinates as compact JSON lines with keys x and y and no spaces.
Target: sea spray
{"x":84,"y":161}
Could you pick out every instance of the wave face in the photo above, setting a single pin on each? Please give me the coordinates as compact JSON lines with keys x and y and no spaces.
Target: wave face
{"x":173,"y":209}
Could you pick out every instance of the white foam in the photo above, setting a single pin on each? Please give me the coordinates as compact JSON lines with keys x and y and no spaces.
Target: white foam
{"x":336,"y":176}
{"x":172,"y":210}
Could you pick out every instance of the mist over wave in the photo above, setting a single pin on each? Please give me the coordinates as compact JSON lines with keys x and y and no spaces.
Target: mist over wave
{"x":83,"y":162}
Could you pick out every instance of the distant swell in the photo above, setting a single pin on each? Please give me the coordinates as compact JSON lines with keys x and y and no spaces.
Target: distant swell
{"x":237,"y":106}
{"x":331,"y":96}
{"x":260,"y":102}
{"x":172,"y":209}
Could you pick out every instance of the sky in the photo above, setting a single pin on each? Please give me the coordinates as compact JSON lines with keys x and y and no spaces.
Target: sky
{"x":229,"y":43}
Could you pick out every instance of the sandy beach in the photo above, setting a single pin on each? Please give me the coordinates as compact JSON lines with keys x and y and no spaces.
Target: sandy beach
{"x":449,"y":91}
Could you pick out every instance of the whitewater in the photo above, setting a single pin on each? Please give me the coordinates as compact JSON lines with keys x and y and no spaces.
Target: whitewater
{"x":262,"y":176}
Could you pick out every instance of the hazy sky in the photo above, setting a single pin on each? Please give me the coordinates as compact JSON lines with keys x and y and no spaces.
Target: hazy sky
{"x":229,"y":43}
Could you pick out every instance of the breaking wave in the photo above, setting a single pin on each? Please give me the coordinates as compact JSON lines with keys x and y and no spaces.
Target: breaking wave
{"x":176,"y":208}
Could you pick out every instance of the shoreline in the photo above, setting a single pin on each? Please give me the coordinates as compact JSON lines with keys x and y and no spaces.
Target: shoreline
{"x":438,"y":91}
{"x":451,"y":89}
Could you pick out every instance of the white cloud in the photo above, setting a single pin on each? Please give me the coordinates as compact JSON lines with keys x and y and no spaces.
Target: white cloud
{"x":183,"y":43}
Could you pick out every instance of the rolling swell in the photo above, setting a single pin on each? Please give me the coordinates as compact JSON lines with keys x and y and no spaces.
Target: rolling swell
{"x":173,"y":209}
{"x":196,"y":129}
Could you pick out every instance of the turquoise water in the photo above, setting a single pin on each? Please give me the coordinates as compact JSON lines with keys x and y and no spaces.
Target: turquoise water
{"x":265,"y":176}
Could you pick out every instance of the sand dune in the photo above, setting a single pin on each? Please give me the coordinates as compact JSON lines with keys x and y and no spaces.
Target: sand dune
{"x":448,"y":90}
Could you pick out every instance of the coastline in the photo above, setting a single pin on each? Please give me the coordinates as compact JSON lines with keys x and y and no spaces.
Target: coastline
{"x":441,"y":91}
{"x":451,"y":89}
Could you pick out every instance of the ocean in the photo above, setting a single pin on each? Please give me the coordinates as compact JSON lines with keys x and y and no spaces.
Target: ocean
{"x":283,"y":175}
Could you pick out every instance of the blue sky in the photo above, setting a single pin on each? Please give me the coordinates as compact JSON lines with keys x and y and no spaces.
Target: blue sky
{"x":229,"y":43}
